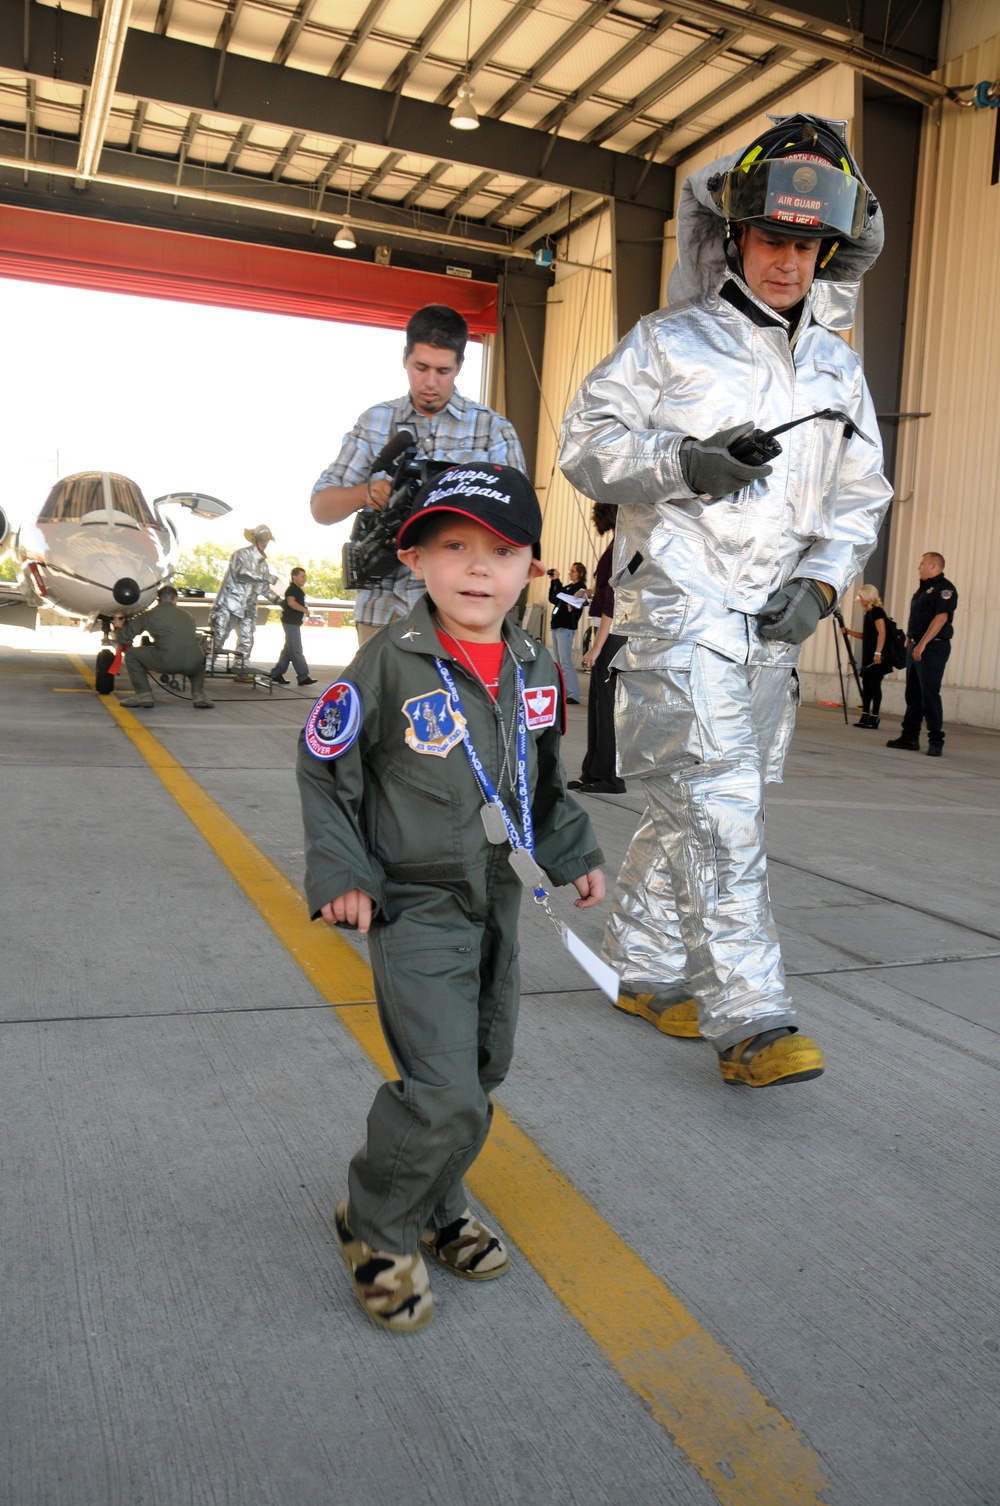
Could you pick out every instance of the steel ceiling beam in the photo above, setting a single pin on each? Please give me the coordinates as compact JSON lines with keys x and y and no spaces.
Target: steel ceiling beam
{"x":656,"y":139}
{"x":416,"y":54}
{"x":646,"y":37}
{"x":291,"y":146}
{"x":807,"y":76}
{"x":681,"y":71}
{"x":918,"y":86}
{"x":490,"y":47}
{"x":183,"y":75}
{"x":287,"y":208}
{"x":559,"y":49}
{"x":293,"y":31}
{"x":430,"y":177}
{"x":385,"y":167}
{"x":102,"y":81}
{"x":363,"y":31}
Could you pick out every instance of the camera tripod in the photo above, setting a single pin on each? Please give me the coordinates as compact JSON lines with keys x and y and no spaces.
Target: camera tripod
{"x":838,"y":633}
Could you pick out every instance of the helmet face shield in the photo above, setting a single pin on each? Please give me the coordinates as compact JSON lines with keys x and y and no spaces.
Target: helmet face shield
{"x":796,"y":195}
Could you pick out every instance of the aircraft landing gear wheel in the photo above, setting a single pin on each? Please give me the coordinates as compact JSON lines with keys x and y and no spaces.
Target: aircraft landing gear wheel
{"x":103,"y":682}
{"x":171,"y":682}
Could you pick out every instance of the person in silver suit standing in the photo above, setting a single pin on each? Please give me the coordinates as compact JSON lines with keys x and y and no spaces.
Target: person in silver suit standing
{"x":247,"y":577}
{"x":727,"y":556}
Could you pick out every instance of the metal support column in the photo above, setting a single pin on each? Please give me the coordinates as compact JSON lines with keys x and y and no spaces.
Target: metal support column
{"x":636,"y":263}
{"x":522,"y":334}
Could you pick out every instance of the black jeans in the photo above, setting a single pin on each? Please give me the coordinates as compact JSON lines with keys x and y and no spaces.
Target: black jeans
{"x":871,"y":687}
{"x":599,"y":760}
{"x":923,"y":692}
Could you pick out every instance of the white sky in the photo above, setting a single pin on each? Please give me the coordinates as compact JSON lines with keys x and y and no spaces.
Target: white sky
{"x":247,"y":407}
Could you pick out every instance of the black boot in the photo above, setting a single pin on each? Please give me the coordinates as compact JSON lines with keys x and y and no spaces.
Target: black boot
{"x":865,"y":721}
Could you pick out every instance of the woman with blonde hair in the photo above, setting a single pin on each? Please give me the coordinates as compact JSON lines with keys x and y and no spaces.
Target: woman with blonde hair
{"x":873,"y":666}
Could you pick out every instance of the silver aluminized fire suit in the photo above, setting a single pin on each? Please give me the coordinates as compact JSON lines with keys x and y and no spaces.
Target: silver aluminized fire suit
{"x":705,"y":707}
{"x":246,"y":578}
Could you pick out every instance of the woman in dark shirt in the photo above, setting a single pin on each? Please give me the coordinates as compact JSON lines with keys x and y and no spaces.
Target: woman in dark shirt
{"x":873,"y":669}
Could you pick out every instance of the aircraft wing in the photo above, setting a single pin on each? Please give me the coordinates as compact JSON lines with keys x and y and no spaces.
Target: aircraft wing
{"x":17,"y":608}
{"x":200,"y":607}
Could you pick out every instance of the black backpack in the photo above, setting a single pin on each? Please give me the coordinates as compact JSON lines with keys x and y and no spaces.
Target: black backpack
{"x":894,"y":652}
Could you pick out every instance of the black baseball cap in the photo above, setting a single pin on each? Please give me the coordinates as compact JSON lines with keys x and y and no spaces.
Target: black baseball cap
{"x":499,"y":497}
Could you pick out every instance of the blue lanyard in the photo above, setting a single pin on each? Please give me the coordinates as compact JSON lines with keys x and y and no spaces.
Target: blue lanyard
{"x":485,"y":783}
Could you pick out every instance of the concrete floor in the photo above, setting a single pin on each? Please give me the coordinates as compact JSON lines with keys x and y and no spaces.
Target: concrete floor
{"x":179,"y":1106}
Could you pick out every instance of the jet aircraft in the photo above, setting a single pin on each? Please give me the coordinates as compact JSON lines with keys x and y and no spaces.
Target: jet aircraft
{"x":96,"y":547}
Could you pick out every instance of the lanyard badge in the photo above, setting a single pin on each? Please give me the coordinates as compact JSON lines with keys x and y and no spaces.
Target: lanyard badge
{"x":499,"y":827}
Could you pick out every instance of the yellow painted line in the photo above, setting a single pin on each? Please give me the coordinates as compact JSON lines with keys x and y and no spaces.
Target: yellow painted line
{"x":741,"y":1445}
{"x":70,"y":690}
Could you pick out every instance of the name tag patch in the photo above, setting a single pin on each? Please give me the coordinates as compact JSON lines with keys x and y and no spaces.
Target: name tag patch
{"x":540,"y":706}
{"x":334,"y":722}
{"x":435,"y":726}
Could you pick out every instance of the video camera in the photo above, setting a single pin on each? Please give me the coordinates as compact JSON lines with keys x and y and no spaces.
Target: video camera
{"x":370,"y":553}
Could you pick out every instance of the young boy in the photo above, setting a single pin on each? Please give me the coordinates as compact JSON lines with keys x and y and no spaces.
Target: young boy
{"x":408,"y":842}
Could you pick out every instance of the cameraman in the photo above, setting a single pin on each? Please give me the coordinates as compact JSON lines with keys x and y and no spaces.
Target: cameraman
{"x":447,"y":427}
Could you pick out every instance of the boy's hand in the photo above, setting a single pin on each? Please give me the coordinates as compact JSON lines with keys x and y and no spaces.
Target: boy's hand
{"x":590,"y":888}
{"x":354,"y":907}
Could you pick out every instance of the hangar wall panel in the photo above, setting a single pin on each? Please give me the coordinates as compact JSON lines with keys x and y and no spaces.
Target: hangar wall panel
{"x":949,"y":465}
{"x":578,"y":327}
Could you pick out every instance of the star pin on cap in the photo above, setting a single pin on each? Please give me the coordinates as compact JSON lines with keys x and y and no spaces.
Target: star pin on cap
{"x":498,"y":497}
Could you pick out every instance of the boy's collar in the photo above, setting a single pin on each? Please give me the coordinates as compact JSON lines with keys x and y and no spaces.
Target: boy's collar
{"x":418,"y":634}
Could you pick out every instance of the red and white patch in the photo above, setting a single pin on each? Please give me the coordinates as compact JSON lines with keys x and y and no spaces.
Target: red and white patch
{"x":540,"y":706}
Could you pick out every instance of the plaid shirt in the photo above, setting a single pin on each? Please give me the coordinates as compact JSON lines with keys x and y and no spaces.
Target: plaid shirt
{"x":462,"y":432}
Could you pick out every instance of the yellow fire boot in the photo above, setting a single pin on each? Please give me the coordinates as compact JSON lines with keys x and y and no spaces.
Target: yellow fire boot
{"x":774,"y":1056}
{"x":673,"y":1017}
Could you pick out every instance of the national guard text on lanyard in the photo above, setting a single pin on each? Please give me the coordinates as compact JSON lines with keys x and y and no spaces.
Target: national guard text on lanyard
{"x":496,"y":818}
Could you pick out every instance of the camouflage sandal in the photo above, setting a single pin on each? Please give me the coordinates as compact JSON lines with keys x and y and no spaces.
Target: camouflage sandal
{"x":394,"y":1290}
{"x":466,"y":1248}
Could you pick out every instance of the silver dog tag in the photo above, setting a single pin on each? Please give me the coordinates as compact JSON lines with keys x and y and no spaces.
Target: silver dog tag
{"x":527,"y":869}
{"x":494,"y":824}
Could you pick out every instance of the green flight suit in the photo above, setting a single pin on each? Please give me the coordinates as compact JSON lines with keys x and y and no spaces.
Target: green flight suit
{"x":176,"y":648}
{"x":404,"y":826}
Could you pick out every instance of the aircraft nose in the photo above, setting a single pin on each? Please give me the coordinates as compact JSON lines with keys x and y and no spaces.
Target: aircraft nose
{"x":126,"y":591}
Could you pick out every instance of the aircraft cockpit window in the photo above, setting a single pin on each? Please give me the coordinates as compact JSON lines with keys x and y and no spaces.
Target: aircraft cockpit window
{"x":83,"y":495}
{"x":73,"y":499}
{"x":128,"y":499}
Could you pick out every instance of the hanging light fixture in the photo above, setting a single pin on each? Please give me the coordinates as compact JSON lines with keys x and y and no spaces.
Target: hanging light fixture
{"x":344,"y":238}
{"x":463,"y":115}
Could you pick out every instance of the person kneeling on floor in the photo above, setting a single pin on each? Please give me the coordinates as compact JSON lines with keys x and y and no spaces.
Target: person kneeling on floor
{"x":176,"y":649}
{"x":420,"y":771}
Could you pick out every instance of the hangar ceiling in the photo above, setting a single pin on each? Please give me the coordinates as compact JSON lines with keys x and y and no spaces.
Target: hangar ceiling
{"x":275,"y":120}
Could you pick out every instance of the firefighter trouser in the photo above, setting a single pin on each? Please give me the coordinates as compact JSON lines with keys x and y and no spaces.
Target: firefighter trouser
{"x":691,"y":906}
{"x":161,"y":662}
{"x":245,"y":623}
{"x":447,"y":989}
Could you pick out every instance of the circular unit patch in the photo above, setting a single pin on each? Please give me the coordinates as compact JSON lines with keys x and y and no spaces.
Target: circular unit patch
{"x":334,"y":722}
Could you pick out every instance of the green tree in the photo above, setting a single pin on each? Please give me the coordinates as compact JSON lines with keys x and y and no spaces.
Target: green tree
{"x":8,"y":569}
{"x":203,"y":566}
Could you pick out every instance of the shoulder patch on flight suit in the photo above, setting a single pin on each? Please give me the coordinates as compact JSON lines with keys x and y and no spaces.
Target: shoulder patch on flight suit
{"x":540,"y":705}
{"x":435,"y":726}
{"x":333,"y":724}
{"x":947,"y":595}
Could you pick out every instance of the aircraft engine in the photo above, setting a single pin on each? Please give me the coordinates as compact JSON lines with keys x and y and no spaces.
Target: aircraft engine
{"x":4,"y":528}
{"x":126,"y":591}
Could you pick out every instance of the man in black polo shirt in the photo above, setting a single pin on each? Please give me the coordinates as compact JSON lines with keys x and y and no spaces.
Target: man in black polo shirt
{"x":292,"y":613}
{"x":928,"y":641}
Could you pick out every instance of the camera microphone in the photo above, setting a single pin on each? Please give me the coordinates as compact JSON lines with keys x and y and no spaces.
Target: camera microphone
{"x":403,"y":439}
